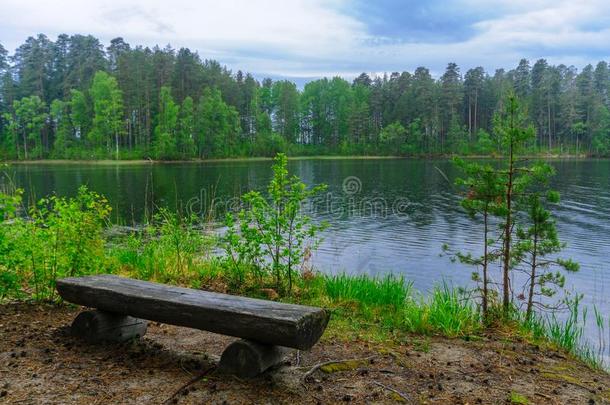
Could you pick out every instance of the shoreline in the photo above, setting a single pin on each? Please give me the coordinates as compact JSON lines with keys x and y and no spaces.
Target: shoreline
{"x":105,"y":162}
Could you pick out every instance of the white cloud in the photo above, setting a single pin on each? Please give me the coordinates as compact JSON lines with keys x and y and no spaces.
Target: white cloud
{"x":299,"y":29}
{"x":308,"y":38}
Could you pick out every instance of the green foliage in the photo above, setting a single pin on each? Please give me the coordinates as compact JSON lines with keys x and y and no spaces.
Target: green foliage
{"x":271,"y":236}
{"x":502,"y":195}
{"x":25,"y":127}
{"x":10,"y":279}
{"x":166,"y":131}
{"x":516,"y":398}
{"x":601,"y":134}
{"x":107,"y":101}
{"x":393,"y":136}
{"x":269,"y":144}
{"x":390,"y":303}
{"x":483,"y":198}
{"x":567,"y":333}
{"x":535,"y":249}
{"x":60,"y":116}
{"x":386,"y":291}
{"x":185,"y":142}
{"x":484,"y":145}
{"x":169,"y":249}
{"x":81,"y":113}
{"x":61,"y":237}
{"x":445,"y":312}
{"x":285,"y":99}
{"x":217,"y":126}
{"x":226,"y":114}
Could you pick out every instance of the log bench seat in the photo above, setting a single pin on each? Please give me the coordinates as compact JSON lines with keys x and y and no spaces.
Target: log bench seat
{"x":267,"y":329}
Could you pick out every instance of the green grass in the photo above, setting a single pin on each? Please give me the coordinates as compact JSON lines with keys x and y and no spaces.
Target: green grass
{"x":391,"y":304}
{"x":516,"y":398}
{"x":444,"y":312}
{"x":567,"y":334}
{"x":371,"y":291}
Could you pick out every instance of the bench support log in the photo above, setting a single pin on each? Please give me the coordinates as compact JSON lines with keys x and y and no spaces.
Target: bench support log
{"x":246,"y":358}
{"x":100,"y":326}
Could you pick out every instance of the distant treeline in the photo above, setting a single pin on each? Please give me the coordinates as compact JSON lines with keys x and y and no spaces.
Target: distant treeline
{"x":71,"y":98}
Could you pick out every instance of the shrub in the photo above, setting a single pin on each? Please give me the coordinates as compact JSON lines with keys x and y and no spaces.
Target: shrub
{"x":272,"y":236}
{"x":61,"y":237}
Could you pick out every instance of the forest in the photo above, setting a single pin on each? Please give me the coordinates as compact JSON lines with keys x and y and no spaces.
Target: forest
{"x":74,"y":98}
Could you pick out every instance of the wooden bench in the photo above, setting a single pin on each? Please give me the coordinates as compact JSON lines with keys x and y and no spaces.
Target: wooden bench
{"x":266,"y":328}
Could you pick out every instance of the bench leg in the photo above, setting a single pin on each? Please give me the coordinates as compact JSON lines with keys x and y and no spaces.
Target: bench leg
{"x":246,"y":358}
{"x":97,"y":326}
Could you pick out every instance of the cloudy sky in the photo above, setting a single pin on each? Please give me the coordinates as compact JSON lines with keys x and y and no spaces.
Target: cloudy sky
{"x":304,"y":39}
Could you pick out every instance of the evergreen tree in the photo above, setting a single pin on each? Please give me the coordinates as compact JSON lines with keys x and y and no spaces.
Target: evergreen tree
{"x":567,"y":107}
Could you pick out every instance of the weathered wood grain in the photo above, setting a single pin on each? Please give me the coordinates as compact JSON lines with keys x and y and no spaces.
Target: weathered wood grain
{"x":263,"y":321}
{"x":100,"y":326}
{"x":247,"y":359}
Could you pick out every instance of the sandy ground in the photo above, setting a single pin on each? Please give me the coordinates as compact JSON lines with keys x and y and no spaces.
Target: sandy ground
{"x":40,"y":363}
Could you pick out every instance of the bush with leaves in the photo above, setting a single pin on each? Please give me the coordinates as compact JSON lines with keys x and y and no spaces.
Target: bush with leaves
{"x":61,"y":237}
{"x":272,"y":236}
{"x":10,"y":279}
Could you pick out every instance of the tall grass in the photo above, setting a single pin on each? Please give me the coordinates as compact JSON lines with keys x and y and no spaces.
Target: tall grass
{"x":385,"y":291}
{"x":568,"y":334}
{"x":393,"y":303}
{"x":450,"y":313}
{"x":445,"y":311}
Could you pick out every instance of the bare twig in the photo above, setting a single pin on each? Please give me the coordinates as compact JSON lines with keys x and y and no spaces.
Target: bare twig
{"x":189,"y":383}
{"x":395,"y":391}
{"x":540,"y":394}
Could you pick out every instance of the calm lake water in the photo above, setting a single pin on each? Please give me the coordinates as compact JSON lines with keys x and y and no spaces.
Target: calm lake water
{"x":386,"y":215}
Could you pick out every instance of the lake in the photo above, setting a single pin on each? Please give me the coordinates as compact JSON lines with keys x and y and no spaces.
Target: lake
{"x":385,"y":215}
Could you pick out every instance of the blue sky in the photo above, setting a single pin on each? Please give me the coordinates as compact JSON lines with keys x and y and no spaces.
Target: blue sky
{"x":304,"y":39}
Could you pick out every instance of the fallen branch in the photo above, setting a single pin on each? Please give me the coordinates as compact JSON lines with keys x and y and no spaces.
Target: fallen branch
{"x":540,"y":394}
{"x":561,"y":380}
{"x":328,"y":363}
{"x":189,"y":383}
{"x":395,"y":391}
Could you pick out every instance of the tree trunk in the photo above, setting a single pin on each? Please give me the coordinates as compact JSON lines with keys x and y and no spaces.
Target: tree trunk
{"x":470,"y":119}
{"x":508,"y":223}
{"x":530,"y":298}
{"x":25,"y":146}
{"x":485,"y":299}
{"x":476,"y":105}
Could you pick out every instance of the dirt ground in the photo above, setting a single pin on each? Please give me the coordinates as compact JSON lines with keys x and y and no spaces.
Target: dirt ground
{"x":40,"y":363}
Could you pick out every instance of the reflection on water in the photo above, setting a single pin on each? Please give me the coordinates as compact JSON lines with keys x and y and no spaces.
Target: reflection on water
{"x":393,"y":216}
